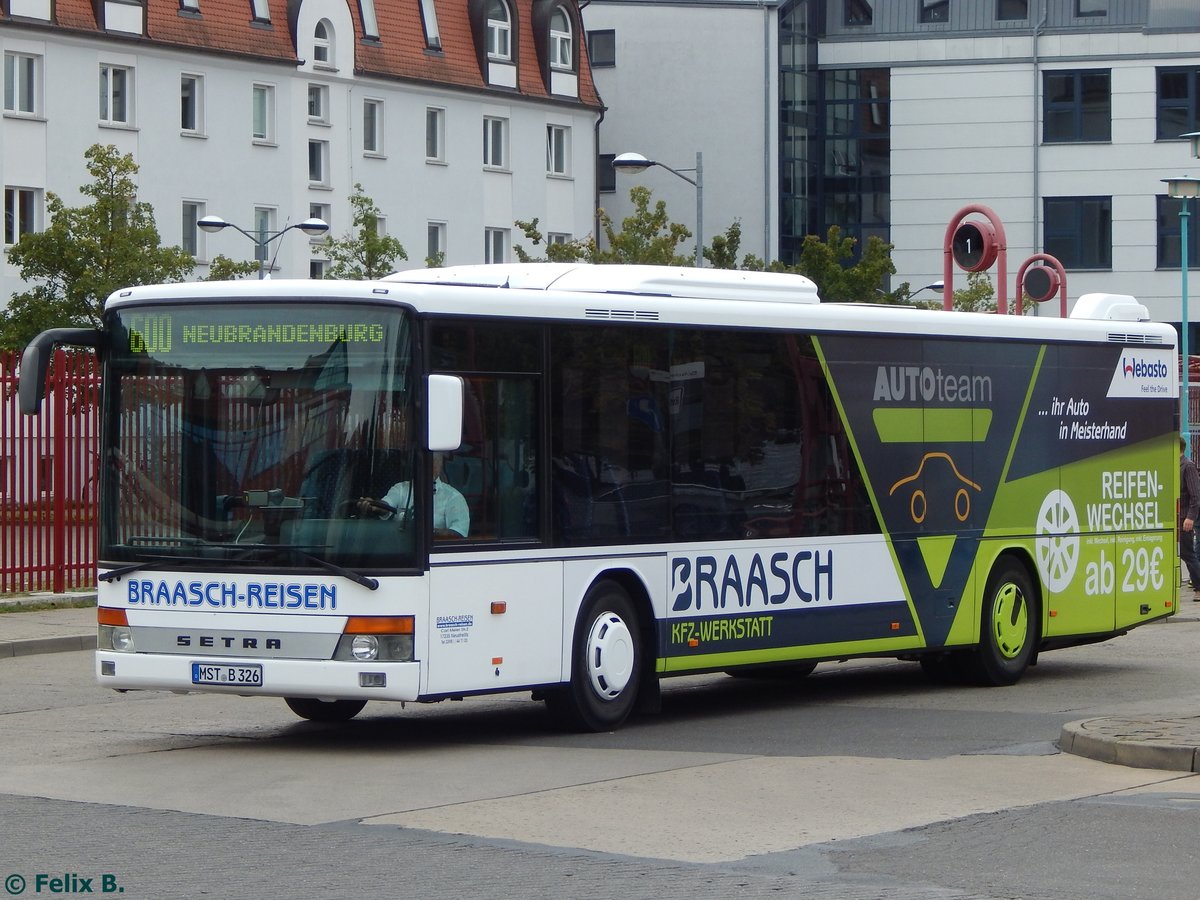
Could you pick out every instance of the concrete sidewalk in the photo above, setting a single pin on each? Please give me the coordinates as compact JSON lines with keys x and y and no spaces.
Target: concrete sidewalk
{"x":1166,"y":741}
{"x":66,"y":627}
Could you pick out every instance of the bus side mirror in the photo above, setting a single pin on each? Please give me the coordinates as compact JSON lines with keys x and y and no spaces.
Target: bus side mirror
{"x":35,"y":362}
{"x":445,"y":412}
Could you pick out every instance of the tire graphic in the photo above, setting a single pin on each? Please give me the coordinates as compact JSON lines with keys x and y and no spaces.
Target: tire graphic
{"x":1057,"y":544}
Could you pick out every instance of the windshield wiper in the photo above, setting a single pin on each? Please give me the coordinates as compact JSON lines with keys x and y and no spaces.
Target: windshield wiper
{"x":365,"y":580}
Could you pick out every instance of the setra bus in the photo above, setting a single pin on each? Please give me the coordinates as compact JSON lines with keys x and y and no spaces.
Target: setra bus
{"x":655,"y":472}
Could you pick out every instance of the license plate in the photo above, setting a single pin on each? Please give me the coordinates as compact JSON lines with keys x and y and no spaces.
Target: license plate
{"x":223,"y":673}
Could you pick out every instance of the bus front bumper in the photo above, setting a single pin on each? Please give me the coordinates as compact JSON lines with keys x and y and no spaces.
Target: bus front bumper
{"x":324,"y":679}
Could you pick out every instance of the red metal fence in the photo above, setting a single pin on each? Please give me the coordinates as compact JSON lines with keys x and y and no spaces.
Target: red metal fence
{"x":49,"y":478}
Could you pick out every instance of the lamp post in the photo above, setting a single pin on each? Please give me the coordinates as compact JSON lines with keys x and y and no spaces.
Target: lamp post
{"x":311,"y":227}
{"x":635,"y":162}
{"x":1184,"y":189}
{"x":935,"y":286}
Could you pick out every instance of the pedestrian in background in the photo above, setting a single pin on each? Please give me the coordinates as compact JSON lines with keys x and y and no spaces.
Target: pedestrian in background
{"x":1189,"y":510}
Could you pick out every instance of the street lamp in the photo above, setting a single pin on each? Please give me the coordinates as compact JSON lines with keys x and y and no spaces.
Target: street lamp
{"x":935,"y":286}
{"x":1184,"y":189}
{"x":635,"y":162}
{"x":311,"y":227}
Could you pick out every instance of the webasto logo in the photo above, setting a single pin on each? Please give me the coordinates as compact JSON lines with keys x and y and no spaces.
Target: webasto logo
{"x":1139,"y":368}
{"x":896,"y":384}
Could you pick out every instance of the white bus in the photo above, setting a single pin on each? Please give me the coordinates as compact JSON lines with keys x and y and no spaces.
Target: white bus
{"x":577,"y":480}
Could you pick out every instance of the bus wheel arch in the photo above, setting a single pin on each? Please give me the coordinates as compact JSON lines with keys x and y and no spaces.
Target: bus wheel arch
{"x":612,"y":656}
{"x":1009,"y":622}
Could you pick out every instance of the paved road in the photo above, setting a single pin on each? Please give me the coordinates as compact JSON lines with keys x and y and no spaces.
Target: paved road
{"x":862,"y":781}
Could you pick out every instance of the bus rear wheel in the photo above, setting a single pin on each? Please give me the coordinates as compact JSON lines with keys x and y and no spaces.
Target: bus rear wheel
{"x":606,"y":665}
{"x":1008,"y":628}
{"x":324,"y":710}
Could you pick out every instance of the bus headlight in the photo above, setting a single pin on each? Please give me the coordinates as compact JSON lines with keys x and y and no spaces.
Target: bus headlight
{"x":115,"y":637}
{"x":376,"y":639}
{"x":364,"y":646}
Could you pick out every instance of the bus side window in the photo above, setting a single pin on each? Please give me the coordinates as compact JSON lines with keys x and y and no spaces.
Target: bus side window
{"x":494,"y":469}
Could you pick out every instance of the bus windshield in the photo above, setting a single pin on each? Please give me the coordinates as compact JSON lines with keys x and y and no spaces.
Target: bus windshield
{"x":246,"y":432}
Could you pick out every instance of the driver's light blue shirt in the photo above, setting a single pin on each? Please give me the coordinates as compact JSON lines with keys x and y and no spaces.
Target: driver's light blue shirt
{"x":449,"y":506}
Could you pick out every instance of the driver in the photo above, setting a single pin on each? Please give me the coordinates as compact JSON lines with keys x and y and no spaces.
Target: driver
{"x":451,"y":517}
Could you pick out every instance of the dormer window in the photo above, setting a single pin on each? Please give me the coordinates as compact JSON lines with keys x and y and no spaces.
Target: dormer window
{"x":499,"y":31}
{"x":561,"y":55}
{"x":260,"y":10}
{"x":323,"y":43}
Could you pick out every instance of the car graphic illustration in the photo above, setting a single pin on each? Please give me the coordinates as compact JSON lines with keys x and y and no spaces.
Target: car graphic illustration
{"x":918,"y":504}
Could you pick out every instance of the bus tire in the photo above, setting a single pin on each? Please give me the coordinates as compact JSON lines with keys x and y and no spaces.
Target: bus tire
{"x":606,"y":665}
{"x":1008,"y":627}
{"x":324,"y":710}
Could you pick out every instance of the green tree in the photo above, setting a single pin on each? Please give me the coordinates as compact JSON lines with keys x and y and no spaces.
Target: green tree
{"x":647,"y":237}
{"x":362,"y":253}
{"x":222,"y":268}
{"x":977,"y":296}
{"x":87,"y":252}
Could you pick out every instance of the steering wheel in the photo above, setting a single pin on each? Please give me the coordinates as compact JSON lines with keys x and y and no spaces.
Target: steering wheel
{"x":349,"y":509}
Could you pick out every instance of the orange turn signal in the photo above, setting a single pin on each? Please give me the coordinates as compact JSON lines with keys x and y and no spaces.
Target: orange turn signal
{"x":379,"y":625}
{"x":499,"y":607}
{"x":108,"y":616}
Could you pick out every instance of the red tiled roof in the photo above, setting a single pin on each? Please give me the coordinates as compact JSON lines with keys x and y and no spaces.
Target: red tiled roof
{"x":224,"y":26}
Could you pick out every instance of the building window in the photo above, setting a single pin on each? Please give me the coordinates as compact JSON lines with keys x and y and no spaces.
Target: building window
{"x":1078,"y":231}
{"x":370,"y":21}
{"x":263,"y":101}
{"x":435,"y":243}
{"x":20,"y":212}
{"x":1178,"y":102}
{"x":499,"y":31}
{"x":858,"y":12}
{"x":318,"y":104}
{"x":495,"y":133}
{"x":433,"y":38}
{"x":558,"y":146}
{"x":557,"y":237}
{"x":561,"y":51}
{"x":21,"y":88}
{"x":1091,"y":7}
{"x":116,"y":84}
{"x":1012,"y":10}
{"x":193,"y":5}
{"x":316,"y":268}
{"x":191,"y":103}
{"x":318,"y":162}
{"x":606,"y":175}
{"x":435,"y":130}
{"x":320,"y":211}
{"x":602,"y":48}
{"x":1076,"y":106}
{"x":1170,"y":234}
{"x":935,"y":10}
{"x":373,"y":127}
{"x":264,"y":230}
{"x":260,"y":10}
{"x":323,"y":43}
{"x":495,"y":245}
{"x":192,"y":237}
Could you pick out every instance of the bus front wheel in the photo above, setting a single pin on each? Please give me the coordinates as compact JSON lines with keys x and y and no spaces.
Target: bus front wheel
{"x":1008,"y":627}
{"x":606,"y":665}
{"x":324,"y":710}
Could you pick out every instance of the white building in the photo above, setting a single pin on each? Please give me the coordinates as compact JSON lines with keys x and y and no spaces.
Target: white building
{"x":889,"y":116}
{"x":456,"y":116}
